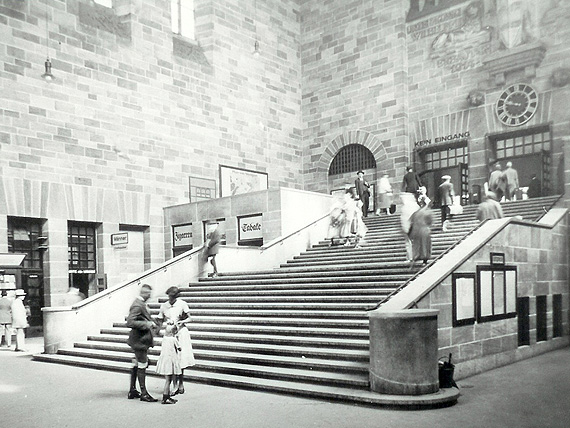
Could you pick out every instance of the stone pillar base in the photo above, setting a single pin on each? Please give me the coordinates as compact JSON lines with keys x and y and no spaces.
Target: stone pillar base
{"x":403,"y":352}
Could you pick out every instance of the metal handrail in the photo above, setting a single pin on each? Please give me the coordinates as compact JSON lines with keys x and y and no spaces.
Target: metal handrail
{"x":513,"y":220}
{"x":421,"y":271}
{"x":283,"y":238}
{"x":138,"y":279}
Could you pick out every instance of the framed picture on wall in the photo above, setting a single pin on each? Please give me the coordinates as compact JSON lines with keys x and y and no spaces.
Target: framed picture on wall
{"x":235,"y":181}
{"x":201,"y":189}
{"x":463,"y":298}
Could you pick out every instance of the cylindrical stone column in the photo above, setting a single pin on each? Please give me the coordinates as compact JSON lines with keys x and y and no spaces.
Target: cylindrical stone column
{"x":403,"y":352}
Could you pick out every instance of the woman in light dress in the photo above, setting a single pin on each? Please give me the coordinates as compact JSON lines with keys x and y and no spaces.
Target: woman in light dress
{"x":385,"y":195}
{"x":177,"y":312}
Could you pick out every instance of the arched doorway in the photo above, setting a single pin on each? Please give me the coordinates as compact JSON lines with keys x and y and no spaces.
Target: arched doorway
{"x":347,"y":162}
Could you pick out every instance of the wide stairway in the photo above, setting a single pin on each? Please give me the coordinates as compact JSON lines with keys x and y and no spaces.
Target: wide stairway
{"x":301,"y":328}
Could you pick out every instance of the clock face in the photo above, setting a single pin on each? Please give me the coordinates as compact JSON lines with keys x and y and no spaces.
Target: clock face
{"x":517,"y":104}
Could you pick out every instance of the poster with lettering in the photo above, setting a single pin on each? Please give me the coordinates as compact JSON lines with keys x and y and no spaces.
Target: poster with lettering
{"x":182,"y":236}
{"x":250,"y":230}
{"x":236,"y":181}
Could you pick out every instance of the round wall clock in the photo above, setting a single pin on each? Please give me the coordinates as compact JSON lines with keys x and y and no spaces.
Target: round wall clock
{"x":517,"y":104}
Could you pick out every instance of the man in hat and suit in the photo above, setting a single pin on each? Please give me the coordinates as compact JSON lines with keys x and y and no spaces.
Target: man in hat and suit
{"x":446,"y":195}
{"x":140,"y":340}
{"x":411,"y":182}
{"x":19,"y":320}
{"x":363,"y":191}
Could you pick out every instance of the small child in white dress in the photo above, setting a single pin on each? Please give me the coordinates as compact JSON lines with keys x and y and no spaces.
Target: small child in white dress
{"x":168,"y":363}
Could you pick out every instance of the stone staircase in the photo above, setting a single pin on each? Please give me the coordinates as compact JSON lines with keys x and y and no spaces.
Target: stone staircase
{"x":301,"y":328}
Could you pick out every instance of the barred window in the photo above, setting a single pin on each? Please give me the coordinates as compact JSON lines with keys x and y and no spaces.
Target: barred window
{"x":352,"y":158}
{"x":81,"y":247}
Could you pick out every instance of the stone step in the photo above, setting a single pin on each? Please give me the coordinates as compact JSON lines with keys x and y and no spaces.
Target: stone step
{"x":443,"y":397}
{"x":210,"y":328}
{"x":258,"y":342}
{"x":339,"y":354}
{"x":124,"y":354}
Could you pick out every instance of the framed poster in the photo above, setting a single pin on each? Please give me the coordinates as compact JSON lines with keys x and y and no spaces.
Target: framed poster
{"x":464,"y":292}
{"x":250,"y":230}
{"x":496,"y":292}
{"x":182,"y":236}
{"x":235,"y":181}
{"x":201,"y":189}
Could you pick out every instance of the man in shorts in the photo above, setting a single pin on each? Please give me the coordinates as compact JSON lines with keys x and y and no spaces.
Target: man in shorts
{"x":140,"y":340}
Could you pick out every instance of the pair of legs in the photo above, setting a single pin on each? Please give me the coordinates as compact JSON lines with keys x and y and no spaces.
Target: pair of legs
{"x":6,"y":331}
{"x":178,"y":383}
{"x":20,"y":339}
{"x":138,"y":372}
{"x":365,"y":205}
{"x":166,"y":394}
{"x":445,"y":216}
{"x":212,"y":258}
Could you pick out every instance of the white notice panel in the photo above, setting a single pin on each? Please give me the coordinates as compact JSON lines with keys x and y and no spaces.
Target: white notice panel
{"x":182,"y":236}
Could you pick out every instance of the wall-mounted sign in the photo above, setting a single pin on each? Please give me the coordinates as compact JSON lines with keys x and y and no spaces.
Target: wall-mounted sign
{"x":497,"y":259}
{"x":457,"y":137}
{"x":120,"y":238}
{"x":182,"y":235}
{"x":250,"y":230}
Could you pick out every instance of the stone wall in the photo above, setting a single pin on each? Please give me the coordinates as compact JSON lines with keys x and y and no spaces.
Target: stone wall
{"x":354,"y":81}
{"x":134,"y":111}
{"x":540,"y":255}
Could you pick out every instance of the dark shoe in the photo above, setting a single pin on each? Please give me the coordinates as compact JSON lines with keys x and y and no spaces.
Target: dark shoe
{"x":180,"y":390}
{"x":148,"y":398}
{"x":167,"y":400}
{"x":134,"y":394}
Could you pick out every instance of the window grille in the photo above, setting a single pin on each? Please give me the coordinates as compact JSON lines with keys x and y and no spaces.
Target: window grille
{"x":352,"y":158}
{"x":81,"y":247}
{"x":23,"y":237}
{"x":519,"y":145}
{"x":445,"y":158}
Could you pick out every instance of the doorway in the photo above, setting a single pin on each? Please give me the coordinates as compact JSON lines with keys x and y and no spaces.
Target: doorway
{"x":459,"y":178}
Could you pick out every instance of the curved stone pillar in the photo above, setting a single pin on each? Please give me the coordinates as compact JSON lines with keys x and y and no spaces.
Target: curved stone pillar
{"x":403,"y":352}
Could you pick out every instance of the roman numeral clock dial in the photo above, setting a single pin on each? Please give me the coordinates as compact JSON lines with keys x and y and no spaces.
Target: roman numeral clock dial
{"x":517,"y":104}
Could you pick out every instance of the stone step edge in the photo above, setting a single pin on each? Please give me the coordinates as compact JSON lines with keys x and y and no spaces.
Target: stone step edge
{"x":442,"y":398}
{"x":323,"y":364}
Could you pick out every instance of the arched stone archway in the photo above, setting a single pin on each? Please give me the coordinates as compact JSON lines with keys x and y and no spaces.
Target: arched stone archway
{"x":368,"y":140}
{"x":364,"y":138}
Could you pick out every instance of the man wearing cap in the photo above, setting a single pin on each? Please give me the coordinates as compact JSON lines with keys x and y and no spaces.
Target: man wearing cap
{"x":363,"y":191}
{"x":140,"y":340}
{"x":19,"y":320}
{"x":446,"y":195}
